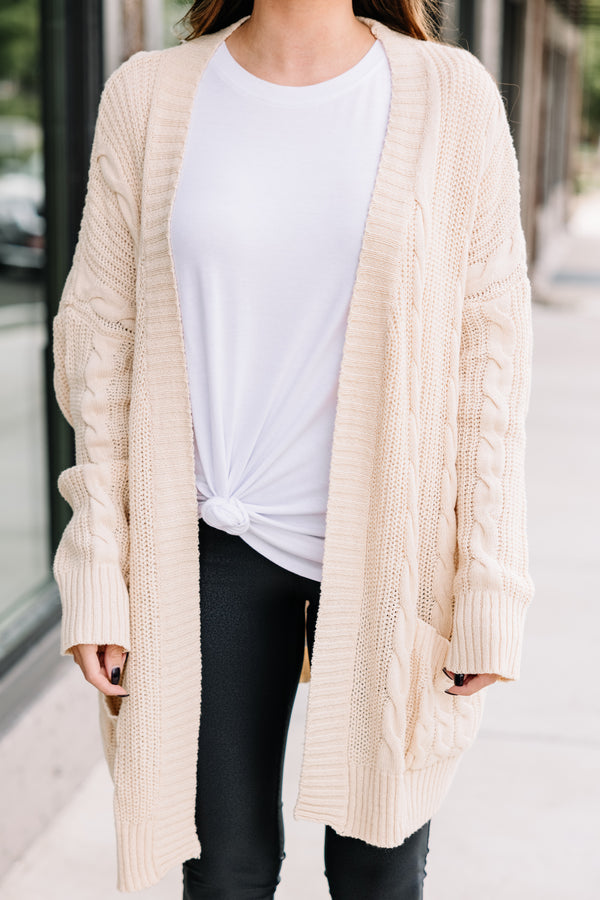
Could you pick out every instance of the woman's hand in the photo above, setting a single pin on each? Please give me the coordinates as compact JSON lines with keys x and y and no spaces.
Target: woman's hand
{"x":471,"y":684}
{"x":97,"y":662}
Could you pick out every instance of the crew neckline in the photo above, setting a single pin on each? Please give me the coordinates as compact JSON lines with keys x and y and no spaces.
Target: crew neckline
{"x":239,"y":77}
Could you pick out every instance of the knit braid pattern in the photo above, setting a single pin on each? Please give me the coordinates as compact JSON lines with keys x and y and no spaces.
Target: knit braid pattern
{"x":93,"y":344}
{"x":492,"y":586}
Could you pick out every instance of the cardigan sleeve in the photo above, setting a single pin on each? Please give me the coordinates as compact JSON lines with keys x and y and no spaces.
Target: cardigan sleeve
{"x":93,"y":337}
{"x":492,"y":586}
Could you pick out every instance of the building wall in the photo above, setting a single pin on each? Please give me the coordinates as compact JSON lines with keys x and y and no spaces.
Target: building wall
{"x":532,"y":49}
{"x":50,"y":81}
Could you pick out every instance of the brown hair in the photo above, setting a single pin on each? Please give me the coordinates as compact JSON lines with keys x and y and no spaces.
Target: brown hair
{"x":413,"y":17}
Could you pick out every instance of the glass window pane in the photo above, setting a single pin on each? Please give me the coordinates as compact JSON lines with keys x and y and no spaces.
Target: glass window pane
{"x":24,"y":551}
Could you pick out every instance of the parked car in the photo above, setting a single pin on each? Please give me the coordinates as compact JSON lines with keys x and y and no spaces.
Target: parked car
{"x":22,"y":222}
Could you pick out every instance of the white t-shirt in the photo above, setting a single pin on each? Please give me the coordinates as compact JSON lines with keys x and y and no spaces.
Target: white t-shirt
{"x":266,"y":232}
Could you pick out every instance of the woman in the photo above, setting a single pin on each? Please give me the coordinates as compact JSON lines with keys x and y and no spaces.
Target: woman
{"x":295,"y":348}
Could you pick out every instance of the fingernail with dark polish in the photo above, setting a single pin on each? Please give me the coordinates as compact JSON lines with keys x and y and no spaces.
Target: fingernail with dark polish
{"x":444,"y":670}
{"x":115,"y":675}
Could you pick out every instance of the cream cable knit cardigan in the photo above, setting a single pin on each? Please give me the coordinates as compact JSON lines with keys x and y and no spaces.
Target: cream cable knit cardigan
{"x":425,"y":560}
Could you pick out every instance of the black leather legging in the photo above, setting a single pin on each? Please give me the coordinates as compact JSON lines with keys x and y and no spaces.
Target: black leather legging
{"x":252,"y":642}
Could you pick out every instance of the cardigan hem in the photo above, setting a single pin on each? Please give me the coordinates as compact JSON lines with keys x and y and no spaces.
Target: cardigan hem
{"x":385,"y":809}
{"x":138,"y":864}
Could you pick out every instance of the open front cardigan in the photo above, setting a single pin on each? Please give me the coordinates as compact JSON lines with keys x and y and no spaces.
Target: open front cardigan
{"x":425,"y":555}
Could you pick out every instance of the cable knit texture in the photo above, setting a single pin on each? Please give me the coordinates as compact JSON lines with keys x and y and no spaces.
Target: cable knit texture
{"x":425,"y":557}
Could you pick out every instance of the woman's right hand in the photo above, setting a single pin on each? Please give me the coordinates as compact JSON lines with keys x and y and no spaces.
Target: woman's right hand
{"x":97,"y":661}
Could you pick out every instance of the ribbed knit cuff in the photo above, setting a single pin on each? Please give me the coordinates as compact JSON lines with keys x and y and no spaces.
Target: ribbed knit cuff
{"x":95,"y":605}
{"x":487,"y":635}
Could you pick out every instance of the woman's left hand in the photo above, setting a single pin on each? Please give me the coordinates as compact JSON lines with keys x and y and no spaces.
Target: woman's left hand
{"x":471,"y":684}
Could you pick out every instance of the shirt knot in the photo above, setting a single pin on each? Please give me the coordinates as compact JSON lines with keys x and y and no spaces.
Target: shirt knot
{"x":226,"y":513}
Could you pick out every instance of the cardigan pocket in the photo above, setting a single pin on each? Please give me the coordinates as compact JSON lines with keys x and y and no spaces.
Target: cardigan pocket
{"x":439,"y":725}
{"x":109,"y":708}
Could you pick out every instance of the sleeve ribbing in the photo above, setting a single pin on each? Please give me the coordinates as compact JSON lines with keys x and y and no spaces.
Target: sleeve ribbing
{"x":492,"y":585}
{"x":93,"y":337}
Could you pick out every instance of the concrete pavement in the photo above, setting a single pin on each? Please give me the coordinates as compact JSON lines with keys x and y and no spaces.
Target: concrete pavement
{"x":522,"y":818}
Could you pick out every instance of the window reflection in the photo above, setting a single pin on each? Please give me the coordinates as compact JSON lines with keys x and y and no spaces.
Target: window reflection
{"x":24,"y":555}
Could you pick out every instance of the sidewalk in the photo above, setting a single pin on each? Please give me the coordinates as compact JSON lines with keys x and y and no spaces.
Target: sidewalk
{"x":522,"y":818}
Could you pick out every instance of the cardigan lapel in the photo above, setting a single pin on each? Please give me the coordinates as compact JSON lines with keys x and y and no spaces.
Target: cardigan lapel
{"x":387,"y":279}
{"x":167,"y":432}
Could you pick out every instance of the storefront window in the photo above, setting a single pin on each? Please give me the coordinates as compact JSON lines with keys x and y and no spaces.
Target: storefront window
{"x":24,"y":550}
